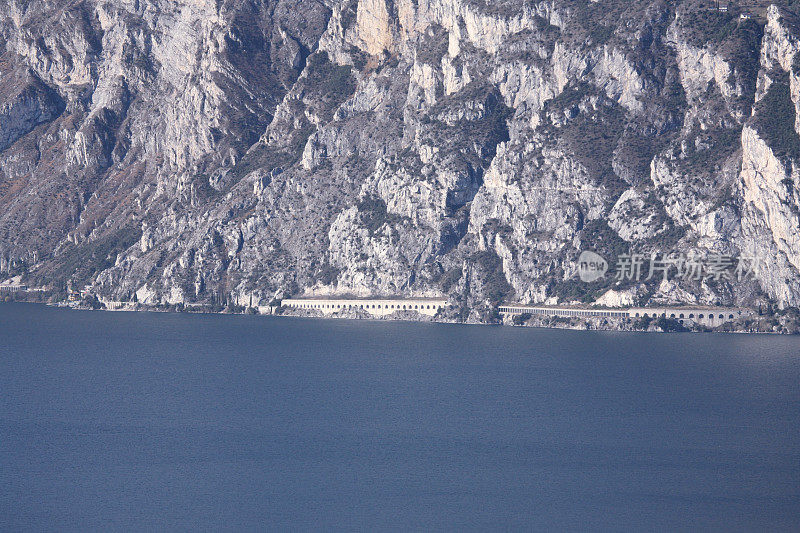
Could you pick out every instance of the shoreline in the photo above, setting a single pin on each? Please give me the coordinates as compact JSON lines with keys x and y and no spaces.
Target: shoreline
{"x":573,"y":325}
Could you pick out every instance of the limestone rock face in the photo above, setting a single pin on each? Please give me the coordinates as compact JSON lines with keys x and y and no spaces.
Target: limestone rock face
{"x":234,"y":151}
{"x":28,"y":103}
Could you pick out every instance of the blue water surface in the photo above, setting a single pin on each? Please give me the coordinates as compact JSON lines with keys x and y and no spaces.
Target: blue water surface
{"x":152,"y":421}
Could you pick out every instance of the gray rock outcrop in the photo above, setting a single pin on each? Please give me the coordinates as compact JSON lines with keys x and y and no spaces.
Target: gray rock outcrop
{"x":232,"y":151}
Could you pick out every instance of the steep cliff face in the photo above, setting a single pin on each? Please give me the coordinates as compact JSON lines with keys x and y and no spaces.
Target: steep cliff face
{"x":235,"y":150}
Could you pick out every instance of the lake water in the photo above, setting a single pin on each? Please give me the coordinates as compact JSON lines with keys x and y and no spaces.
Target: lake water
{"x":142,"y":421}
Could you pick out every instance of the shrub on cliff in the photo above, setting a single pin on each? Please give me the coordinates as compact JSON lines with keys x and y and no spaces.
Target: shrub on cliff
{"x":495,"y":286}
{"x":775,"y":119}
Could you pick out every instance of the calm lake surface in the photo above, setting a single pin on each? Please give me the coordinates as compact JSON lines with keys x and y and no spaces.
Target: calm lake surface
{"x":142,"y":421}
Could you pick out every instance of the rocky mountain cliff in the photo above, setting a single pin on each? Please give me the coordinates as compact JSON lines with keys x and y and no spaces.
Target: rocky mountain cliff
{"x":238,"y":150}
